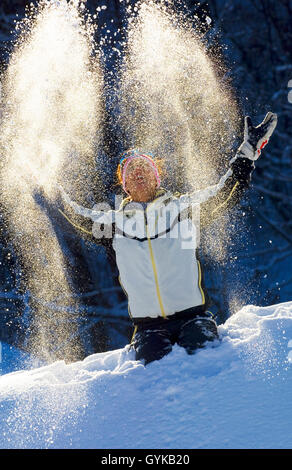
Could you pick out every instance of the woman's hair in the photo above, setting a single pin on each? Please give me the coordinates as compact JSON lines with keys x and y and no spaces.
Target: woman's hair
{"x":159,"y":163}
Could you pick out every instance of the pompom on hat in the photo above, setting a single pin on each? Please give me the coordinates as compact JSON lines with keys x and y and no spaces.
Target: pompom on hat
{"x":128,"y":156}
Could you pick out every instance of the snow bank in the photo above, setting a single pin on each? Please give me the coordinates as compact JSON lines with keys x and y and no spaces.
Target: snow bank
{"x":235,"y":394}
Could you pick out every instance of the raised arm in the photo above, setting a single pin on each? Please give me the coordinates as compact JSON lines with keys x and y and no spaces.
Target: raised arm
{"x":78,"y":218}
{"x":105,"y":216}
{"x":227,"y":193}
{"x":230,"y":193}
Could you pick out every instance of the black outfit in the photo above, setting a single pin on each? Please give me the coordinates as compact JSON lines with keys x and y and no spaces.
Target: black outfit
{"x":190,"y":329}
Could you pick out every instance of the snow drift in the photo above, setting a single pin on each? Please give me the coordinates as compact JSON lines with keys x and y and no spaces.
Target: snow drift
{"x":233,"y":394}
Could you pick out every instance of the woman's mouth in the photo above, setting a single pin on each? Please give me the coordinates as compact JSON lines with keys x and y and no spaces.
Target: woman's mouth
{"x":140,"y":179}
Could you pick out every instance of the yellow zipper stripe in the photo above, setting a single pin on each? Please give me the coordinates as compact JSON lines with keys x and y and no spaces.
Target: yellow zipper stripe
{"x":75,"y":225}
{"x":200,"y":281}
{"x":156,"y":221}
{"x":155,"y":273}
{"x":134,"y":333}
{"x":226,"y":200}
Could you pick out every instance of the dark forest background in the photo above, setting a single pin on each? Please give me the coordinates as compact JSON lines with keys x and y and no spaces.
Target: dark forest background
{"x":256,"y":39}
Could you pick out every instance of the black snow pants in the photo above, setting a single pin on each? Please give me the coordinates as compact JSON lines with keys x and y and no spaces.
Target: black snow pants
{"x":154,"y":338}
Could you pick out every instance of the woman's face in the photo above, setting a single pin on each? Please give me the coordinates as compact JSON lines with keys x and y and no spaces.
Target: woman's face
{"x":140,"y":180}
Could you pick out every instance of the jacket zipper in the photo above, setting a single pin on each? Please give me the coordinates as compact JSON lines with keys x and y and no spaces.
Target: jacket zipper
{"x":154,"y":268}
{"x":200,"y":282}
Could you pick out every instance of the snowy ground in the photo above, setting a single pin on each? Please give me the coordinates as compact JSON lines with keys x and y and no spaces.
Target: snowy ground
{"x":234,"y":395}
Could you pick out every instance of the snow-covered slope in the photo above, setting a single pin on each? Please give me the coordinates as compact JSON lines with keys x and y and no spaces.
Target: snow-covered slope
{"x":235,"y":394}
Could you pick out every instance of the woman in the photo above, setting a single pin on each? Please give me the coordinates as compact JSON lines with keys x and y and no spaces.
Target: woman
{"x":154,"y":237}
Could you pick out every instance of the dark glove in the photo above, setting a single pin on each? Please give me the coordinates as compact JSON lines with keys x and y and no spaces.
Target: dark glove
{"x":242,"y":169}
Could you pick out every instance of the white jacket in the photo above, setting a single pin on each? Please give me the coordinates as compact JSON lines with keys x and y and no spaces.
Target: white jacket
{"x":155,"y":250}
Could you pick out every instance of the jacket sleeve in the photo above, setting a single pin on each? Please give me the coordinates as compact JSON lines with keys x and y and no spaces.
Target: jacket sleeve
{"x":74,"y":218}
{"x":92,"y":224}
{"x":227,"y":196}
{"x":77,"y":224}
{"x":215,"y":200}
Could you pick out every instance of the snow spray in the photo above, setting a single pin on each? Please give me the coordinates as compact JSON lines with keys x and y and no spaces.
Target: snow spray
{"x":176,"y":101}
{"x":50,"y":114}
